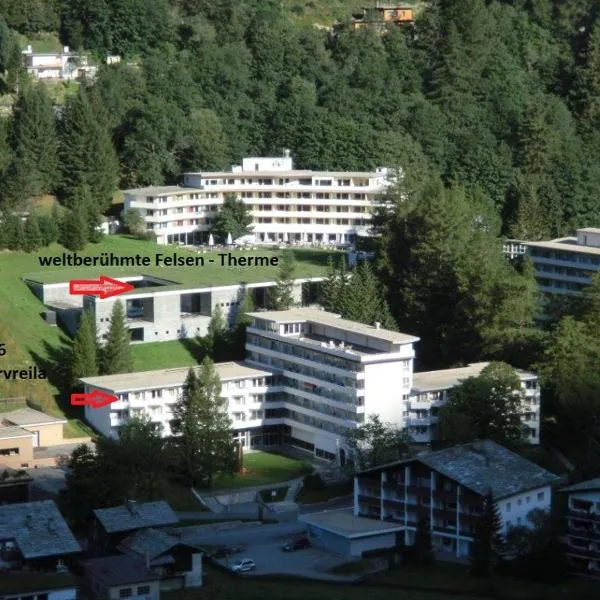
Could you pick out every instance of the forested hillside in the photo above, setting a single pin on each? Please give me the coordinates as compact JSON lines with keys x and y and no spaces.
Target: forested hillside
{"x":498,"y":96}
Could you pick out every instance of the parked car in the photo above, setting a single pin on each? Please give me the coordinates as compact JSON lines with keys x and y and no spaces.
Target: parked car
{"x":243,"y":566}
{"x":298,"y":544}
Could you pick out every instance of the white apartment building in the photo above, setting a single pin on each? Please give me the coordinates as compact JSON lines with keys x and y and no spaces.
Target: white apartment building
{"x":309,"y":377}
{"x":287,"y":205}
{"x":64,"y":66}
{"x":254,"y":402}
{"x":334,"y":373}
{"x":431,"y":390}
{"x":565,"y":266}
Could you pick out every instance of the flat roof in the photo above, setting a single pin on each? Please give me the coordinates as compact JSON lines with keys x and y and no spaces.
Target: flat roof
{"x":343,"y":522}
{"x":449,"y":378}
{"x":321,"y":317}
{"x":13,"y":431}
{"x":29,"y":416}
{"x":148,"y":380}
{"x":589,"y":230}
{"x":591,"y":485}
{"x":286,"y":173}
{"x":161,"y":190}
{"x":568,"y":244}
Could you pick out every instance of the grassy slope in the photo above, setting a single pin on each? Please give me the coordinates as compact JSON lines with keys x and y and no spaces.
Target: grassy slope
{"x":30,"y":341}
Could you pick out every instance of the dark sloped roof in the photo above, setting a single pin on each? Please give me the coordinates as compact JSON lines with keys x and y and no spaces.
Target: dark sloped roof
{"x":481,"y":466}
{"x":148,"y":543}
{"x":136,"y":515}
{"x":38,"y":529}
{"x":591,"y":485}
{"x":485,"y":465}
{"x":119,"y":570}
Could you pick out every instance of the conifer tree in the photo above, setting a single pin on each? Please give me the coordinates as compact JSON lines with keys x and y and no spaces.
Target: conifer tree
{"x":85,"y":349}
{"x":32,"y":236}
{"x":242,"y":320}
{"x":202,"y":427}
{"x":35,"y":139}
{"x":332,"y":289}
{"x":12,"y":227}
{"x":74,"y":229}
{"x":422,"y":551}
{"x":49,"y":229}
{"x":488,"y":544}
{"x":87,"y":152}
{"x":217,"y":340}
{"x":116,"y":354}
{"x":281,"y":296}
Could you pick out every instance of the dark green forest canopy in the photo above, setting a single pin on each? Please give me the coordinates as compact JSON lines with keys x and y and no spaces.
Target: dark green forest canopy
{"x":502,"y":97}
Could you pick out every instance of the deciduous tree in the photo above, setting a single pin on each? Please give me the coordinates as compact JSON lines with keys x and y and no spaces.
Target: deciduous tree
{"x":233,"y":218}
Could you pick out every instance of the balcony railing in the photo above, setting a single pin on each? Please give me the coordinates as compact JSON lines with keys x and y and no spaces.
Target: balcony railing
{"x":583,"y":514}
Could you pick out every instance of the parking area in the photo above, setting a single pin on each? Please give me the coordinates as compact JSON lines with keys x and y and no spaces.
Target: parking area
{"x":270,"y":559}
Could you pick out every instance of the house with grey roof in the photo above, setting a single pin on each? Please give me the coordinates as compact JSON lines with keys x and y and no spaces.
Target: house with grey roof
{"x":179,"y":564}
{"x":113,"y":524}
{"x":583,"y":526}
{"x":35,"y":534}
{"x":114,"y":577}
{"x":447,"y":489}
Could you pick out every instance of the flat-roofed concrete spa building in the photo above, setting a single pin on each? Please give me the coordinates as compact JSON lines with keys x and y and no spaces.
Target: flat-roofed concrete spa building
{"x":159,"y":309}
{"x":286,"y":204}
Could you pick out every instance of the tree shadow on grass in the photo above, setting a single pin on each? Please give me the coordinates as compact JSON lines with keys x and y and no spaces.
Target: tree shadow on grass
{"x":56,"y":362}
{"x":196,"y":349}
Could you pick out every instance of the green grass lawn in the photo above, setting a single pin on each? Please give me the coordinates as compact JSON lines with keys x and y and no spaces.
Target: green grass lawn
{"x":74,"y":428}
{"x":30,"y":341}
{"x":164,"y":355}
{"x":264,"y":468}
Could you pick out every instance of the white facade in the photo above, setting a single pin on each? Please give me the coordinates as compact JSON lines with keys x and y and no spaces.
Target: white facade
{"x":309,"y":377}
{"x":65,"y":65}
{"x":287,"y":205}
{"x":431,"y":391}
{"x":565,"y":266}
{"x":334,"y":373}
{"x":250,"y":395}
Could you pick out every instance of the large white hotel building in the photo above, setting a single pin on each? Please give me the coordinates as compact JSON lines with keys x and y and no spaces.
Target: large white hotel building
{"x":309,"y":377}
{"x":286,"y":205}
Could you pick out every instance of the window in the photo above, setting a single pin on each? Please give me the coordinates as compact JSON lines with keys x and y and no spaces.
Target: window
{"x":508,"y":507}
{"x":125,"y":593}
{"x":143,"y":590}
{"x":528,"y":499}
{"x":540,"y":495}
{"x":9,"y":451}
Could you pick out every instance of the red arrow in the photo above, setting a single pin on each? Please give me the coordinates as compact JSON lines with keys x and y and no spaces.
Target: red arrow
{"x":105,"y":287}
{"x":95,"y":399}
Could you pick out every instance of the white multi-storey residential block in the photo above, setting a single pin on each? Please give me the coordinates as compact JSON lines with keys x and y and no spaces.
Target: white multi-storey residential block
{"x":565,"y":266}
{"x":286,"y":205}
{"x":432,"y":389}
{"x":254,"y":402}
{"x":309,"y":378}
{"x":334,"y":373}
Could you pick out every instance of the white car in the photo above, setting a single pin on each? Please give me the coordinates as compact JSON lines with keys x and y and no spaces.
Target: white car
{"x":243,"y":566}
